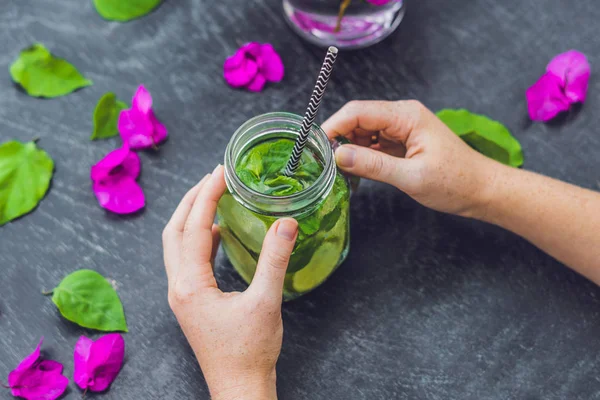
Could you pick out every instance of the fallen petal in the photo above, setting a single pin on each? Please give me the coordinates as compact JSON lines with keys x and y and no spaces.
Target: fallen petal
{"x":81,"y":355}
{"x":121,"y":195}
{"x":160,"y":131}
{"x":242,"y":75}
{"x":272,"y":66}
{"x":98,"y":363}
{"x":142,"y":100}
{"x":121,"y":162}
{"x":257,"y":84}
{"x":545,"y":98}
{"x":573,"y":69}
{"x":136,"y":129}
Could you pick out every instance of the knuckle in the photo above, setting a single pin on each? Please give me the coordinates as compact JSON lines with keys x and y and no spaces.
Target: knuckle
{"x":375,"y":165}
{"x":278,"y":259}
{"x":352,"y":107}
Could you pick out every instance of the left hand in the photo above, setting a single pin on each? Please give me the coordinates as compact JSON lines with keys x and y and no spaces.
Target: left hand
{"x":236,"y":336}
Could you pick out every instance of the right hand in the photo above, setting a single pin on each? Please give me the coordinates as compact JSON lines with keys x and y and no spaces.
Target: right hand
{"x":414,"y":151}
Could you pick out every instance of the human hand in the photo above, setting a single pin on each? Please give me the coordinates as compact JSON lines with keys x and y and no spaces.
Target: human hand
{"x":236,"y":336}
{"x":404,"y":144}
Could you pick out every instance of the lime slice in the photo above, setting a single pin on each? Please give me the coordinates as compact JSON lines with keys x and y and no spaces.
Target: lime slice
{"x":322,"y":263}
{"x":242,"y":260}
{"x":248,"y":227}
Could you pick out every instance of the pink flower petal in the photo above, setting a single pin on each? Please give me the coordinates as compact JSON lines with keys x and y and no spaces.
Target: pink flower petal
{"x":121,"y":195}
{"x":235,"y":61}
{"x":573,"y":69}
{"x":242,"y":75}
{"x":122,"y":162}
{"x":160,"y":131}
{"x":272,"y":66}
{"x":98,"y":363}
{"x":136,"y":129}
{"x":36,"y":379}
{"x":142,"y":100}
{"x":545,"y":98}
{"x":257,"y":84}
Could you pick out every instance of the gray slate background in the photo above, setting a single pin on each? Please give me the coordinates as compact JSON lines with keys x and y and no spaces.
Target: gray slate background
{"x":428,"y":306}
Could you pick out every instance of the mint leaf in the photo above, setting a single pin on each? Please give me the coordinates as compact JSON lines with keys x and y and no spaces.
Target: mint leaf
{"x":282,"y":186}
{"x":485,"y":135}
{"x":106,"y":115}
{"x":86,"y":298}
{"x":124,"y":10}
{"x":43,"y":75}
{"x":25,"y":174}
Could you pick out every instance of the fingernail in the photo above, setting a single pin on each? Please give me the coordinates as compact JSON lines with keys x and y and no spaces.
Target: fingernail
{"x":344,"y":156}
{"x":216,"y":168}
{"x":287,"y":229}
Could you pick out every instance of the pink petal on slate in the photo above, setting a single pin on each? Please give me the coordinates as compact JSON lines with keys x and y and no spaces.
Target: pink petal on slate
{"x":98,"y":363}
{"x":272,"y":66}
{"x":573,"y":69}
{"x":142,"y":100}
{"x":257,"y":84}
{"x":135,"y":128}
{"x":38,"y":380}
{"x":121,"y":195}
{"x":242,"y":75}
{"x":545,"y":98}
{"x":235,"y":61}
{"x":121,"y":162}
{"x":160,"y":131}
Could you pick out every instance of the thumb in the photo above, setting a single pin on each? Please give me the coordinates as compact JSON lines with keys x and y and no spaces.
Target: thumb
{"x":371,"y":164}
{"x":274,"y":258}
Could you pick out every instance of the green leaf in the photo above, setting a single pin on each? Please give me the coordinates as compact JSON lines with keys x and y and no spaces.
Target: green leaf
{"x":106,"y":115}
{"x":43,"y":75}
{"x":282,"y":186}
{"x":485,"y":135}
{"x":124,"y":10}
{"x":86,"y":298}
{"x":25,"y":174}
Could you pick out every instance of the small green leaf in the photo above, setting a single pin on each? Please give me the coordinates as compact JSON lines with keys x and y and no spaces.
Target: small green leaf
{"x":86,"y":298}
{"x":43,"y":75}
{"x":124,"y":10}
{"x":25,"y":174}
{"x":282,"y":186}
{"x":485,"y":135}
{"x":106,"y":115}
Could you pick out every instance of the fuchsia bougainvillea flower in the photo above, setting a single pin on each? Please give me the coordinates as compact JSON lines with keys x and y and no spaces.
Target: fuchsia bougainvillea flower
{"x":97,"y":363}
{"x":564,"y":83}
{"x":115,"y":183}
{"x":138,"y":125}
{"x":252,"y":66}
{"x":37,"y":379}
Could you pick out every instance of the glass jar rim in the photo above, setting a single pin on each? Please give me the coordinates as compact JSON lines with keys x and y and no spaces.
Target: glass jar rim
{"x":290,"y":205}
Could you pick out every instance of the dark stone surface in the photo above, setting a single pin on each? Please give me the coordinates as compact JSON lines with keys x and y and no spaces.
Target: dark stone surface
{"x":428,"y":306}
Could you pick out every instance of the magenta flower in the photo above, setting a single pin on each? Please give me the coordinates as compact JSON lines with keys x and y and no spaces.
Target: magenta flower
{"x":565,"y":82}
{"x":573,"y":70}
{"x":114,"y":181}
{"x":37,"y":379}
{"x":97,"y":363}
{"x":138,"y":125}
{"x":252,"y":66}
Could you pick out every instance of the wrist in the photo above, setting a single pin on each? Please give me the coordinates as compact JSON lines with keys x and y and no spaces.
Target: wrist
{"x":244,"y":388}
{"x":491,"y":176}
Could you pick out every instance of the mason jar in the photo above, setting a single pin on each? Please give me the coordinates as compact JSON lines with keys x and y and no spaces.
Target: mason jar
{"x":322,"y":209}
{"x":346,"y":25}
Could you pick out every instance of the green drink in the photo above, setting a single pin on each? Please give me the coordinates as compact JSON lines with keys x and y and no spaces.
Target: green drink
{"x":317,"y":196}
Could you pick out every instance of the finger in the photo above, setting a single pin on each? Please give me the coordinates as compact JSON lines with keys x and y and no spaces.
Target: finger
{"x":197,"y":241}
{"x":376,"y":165}
{"x":274,"y":258}
{"x":395,"y":119}
{"x":216,"y":240}
{"x":173,"y":231}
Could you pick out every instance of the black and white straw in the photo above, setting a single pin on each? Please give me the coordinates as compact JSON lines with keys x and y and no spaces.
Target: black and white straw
{"x":311,"y":111}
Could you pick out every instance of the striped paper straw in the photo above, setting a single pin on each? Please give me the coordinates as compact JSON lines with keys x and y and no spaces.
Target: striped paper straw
{"x":311,"y":111}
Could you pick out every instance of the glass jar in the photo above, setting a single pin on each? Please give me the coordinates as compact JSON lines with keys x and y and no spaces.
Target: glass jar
{"x":322,"y":210}
{"x":363,"y":23}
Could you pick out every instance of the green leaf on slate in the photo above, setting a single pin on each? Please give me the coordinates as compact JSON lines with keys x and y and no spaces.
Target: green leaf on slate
{"x":124,"y":10}
{"x":485,"y":135}
{"x":106,"y":115}
{"x":25,"y":174}
{"x":86,"y":298}
{"x":43,"y":75}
